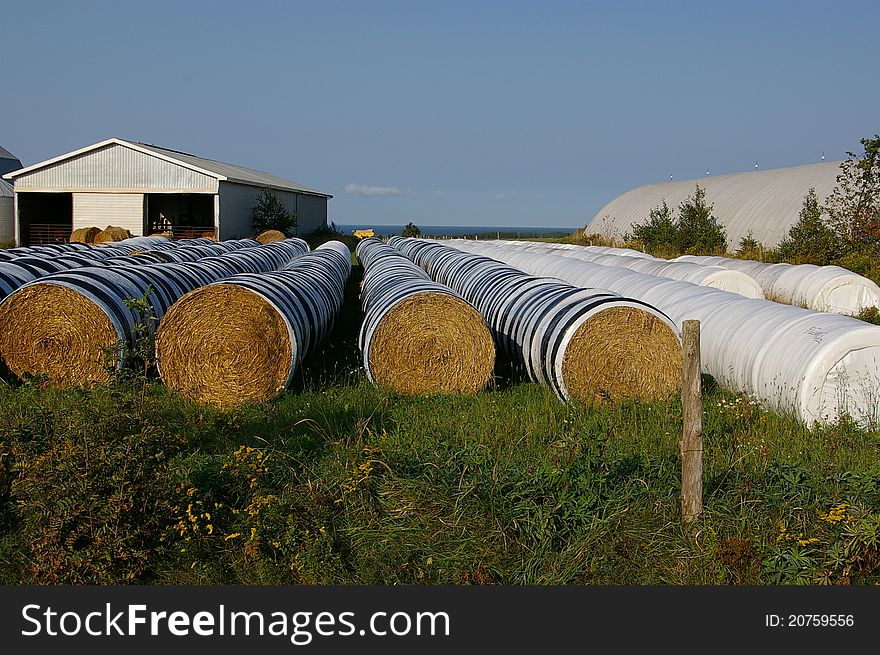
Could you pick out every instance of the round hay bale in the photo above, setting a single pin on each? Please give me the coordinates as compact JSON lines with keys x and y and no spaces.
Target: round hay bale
{"x":84,"y":235}
{"x":622,"y":353}
{"x":431,"y":342}
{"x":269,"y":236}
{"x":50,"y":330}
{"x":240,"y":340}
{"x":112,"y":233}
{"x":246,"y":361}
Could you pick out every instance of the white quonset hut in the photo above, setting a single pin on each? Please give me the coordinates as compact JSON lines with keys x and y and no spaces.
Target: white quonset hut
{"x":8,"y":163}
{"x":147,"y":189}
{"x":767,"y":203}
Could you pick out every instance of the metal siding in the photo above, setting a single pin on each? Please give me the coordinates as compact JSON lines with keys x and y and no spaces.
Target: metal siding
{"x":116,"y":167}
{"x":7,"y":220}
{"x":125,"y":210}
{"x":311,"y":214}
{"x":767,"y":203}
{"x":237,"y":202}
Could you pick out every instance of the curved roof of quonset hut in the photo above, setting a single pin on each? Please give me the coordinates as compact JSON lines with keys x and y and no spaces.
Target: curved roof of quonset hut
{"x":767,"y":203}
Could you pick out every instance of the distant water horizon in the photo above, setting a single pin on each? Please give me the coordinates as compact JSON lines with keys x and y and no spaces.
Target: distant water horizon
{"x":455,"y":230}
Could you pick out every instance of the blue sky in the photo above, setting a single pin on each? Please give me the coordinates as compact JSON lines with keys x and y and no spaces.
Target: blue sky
{"x":449,"y":113}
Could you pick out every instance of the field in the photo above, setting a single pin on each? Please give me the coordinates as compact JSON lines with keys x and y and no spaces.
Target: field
{"x":339,"y":482}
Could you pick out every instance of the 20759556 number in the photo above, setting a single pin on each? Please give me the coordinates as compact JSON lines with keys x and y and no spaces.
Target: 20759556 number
{"x":809,"y":621}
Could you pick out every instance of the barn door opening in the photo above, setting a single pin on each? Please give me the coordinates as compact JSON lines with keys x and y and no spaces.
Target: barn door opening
{"x":184,"y":215}
{"x":44,"y":218}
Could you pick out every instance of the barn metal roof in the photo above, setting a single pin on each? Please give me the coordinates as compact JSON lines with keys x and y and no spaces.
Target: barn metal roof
{"x":767,"y":203}
{"x":5,"y":154}
{"x":5,"y":189}
{"x":216,"y":169}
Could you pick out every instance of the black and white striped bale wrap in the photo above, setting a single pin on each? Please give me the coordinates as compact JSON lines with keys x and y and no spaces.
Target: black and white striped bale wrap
{"x":77,"y":326}
{"x":587,"y":344}
{"x":241,"y":339}
{"x":418,"y":336}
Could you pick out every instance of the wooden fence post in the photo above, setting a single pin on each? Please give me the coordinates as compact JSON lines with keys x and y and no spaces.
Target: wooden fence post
{"x":691,"y":446}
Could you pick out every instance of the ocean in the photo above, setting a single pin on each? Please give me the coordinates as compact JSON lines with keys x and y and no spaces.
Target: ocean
{"x":460,"y":230}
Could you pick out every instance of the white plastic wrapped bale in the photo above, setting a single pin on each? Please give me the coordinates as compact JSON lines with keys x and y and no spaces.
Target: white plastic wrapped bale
{"x":419,"y":336}
{"x":814,"y":366}
{"x":76,"y":326}
{"x":821,"y":288}
{"x":241,"y":339}
{"x":716,"y":277}
{"x":584,"y":344}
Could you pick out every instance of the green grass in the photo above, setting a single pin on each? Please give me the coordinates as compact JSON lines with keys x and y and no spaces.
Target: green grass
{"x":339,"y":482}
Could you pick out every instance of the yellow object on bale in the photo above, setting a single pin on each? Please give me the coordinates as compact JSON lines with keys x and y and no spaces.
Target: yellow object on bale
{"x":84,"y":235}
{"x":111,"y":234}
{"x":269,"y":236}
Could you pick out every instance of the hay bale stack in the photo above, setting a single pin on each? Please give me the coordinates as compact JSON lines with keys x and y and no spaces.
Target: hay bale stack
{"x":585,"y":344}
{"x":240,"y":340}
{"x":76,"y":327}
{"x":112,"y":233}
{"x":84,"y":235}
{"x":269,"y":236}
{"x":419,"y":336}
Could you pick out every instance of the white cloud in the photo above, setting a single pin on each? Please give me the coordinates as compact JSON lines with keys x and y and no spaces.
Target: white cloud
{"x":501,"y":195}
{"x":372,"y":190}
{"x":439,"y":194}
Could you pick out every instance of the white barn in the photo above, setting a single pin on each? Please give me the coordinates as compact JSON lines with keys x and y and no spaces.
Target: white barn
{"x":147,"y":189}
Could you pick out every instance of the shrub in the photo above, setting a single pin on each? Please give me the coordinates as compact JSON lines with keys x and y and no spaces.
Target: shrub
{"x":854,"y":205}
{"x":698,"y":230}
{"x":659,"y":232}
{"x":90,"y":496}
{"x":811,"y":240}
{"x":411,"y":230}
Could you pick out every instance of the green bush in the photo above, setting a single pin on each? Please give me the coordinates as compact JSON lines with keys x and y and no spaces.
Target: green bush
{"x":89,"y":494}
{"x":699,"y":232}
{"x":659,"y":232}
{"x":411,"y":230}
{"x":810,"y":240}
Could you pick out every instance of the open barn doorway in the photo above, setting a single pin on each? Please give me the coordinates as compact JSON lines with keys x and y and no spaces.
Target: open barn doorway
{"x":44,"y":217}
{"x":185,"y":215}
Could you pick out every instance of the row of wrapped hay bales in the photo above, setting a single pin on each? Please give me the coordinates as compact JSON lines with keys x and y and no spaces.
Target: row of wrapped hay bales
{"x":240,"y":339}
{"x":716,"y":277}
{"x":821,"y":288}
{"x":49,"y":249}
{"x":814,"y":366}
{"x":26,"y":267}
{"x":418,"y":336}
{"x":77,"y":326}
{"x":583,"y":343}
